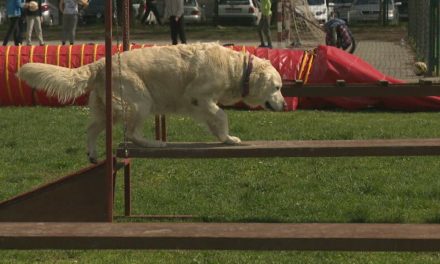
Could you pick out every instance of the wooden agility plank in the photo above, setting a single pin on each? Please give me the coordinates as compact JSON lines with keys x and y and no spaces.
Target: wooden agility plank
{"x":221,"y":236}
{"x":380,"y":89}
{"x":301,"y":148}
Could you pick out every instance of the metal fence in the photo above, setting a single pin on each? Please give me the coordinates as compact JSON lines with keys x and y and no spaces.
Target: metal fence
{"x":423,"y":31}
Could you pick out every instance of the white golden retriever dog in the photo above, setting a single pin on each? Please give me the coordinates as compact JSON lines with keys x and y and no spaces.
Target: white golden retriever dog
{"x":183,"y":79}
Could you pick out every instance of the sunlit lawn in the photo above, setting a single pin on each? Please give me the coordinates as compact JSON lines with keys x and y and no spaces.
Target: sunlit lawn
{"x":41,"y":144}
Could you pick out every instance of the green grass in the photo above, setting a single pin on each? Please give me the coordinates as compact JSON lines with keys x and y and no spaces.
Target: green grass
{"x":41,"y":144}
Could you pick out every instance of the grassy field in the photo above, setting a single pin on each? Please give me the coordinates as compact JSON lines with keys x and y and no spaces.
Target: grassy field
{"x":41,"y":144}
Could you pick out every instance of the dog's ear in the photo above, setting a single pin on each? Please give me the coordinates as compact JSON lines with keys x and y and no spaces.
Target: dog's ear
{"x":263,"y":76}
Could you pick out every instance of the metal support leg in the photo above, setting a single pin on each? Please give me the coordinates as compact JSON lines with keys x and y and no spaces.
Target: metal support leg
{"x":163,"y":128}
{"x":127,"y":187}
{"x":157,"y":127}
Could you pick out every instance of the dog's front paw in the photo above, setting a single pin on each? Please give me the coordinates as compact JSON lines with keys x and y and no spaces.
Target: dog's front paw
{"x":92,"y":158}
{"x":230,"y":140}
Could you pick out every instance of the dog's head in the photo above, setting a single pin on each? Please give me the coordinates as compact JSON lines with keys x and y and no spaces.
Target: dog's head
{"x":265,"y":87}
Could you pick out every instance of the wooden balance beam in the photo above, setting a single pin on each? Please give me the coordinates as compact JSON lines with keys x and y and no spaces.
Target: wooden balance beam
{"x":301,"y":148}
{"x":261,"y":149}
{"x":221,"y":236}
{"x":379,"y":89}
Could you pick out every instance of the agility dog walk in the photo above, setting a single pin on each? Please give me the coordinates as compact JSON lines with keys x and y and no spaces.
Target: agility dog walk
{"x":184,"y":79}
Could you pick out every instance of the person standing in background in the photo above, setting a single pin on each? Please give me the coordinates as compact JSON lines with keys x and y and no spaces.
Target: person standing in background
{"x":69,"y":9}
{"x":16,"y":27}
{"x":174,"y":12}
{"x":264,"y":25}
{"x":150,"y":6}
{"x":33,"y":20}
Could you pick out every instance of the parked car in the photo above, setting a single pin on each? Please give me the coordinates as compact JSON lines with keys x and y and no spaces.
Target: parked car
{"x":49,"y":13}
{"x":340,"y":8}
{"x":319,"y":10}
{"x":192,"y":11}
{"x":403,"y":10}
{"x":369,"y":10}
{"x":241,"y":10}
{"x":94,"y":12}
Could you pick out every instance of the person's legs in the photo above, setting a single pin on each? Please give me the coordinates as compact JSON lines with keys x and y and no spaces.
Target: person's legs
{"x":173,"y":30}
{"x":260,"y":32}
{"x":38,"y":30}
{"x":145,"y":16}
{"x":18,"y":31}
{"x":69,"y":28}
{"x":13,"y":22}
{"x":266,"y":30}
{"x":65,"y":29}
{"x":29,"y":27}
{"x":153,"y":9}
{"x":181,"y":30}
{"x":73,"y":31}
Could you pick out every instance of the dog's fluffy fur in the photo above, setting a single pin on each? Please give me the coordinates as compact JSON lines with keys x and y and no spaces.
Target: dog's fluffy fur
{"x":182,"y":79}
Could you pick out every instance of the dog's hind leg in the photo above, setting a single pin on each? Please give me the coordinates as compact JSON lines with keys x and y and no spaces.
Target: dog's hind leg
{"x":135,"y":125}
{"x":93,"y":131}
{"x":217,"y":121}
{"x":96,"y":126}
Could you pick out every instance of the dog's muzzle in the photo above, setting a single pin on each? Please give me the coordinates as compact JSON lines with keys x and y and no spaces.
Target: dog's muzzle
{"x":270,"y":107}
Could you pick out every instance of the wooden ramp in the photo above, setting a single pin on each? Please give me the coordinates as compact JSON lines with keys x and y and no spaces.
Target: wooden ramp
{"x":309,"y":148}
{"x":78,"y":197}
{"x":221,"y":236}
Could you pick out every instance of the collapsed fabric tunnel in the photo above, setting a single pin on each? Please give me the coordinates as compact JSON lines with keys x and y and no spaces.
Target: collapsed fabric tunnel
{"x":16,"y":93}
{"x":321,"y":65}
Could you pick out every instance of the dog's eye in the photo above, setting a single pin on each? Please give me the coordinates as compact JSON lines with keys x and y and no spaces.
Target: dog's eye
{"x":278,"y":88}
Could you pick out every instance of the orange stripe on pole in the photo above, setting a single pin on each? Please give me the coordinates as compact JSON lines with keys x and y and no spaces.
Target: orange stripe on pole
{"x":31,"y":55}
{"x":306,"y":78}
{"x":20,"y":85}
{"x":31,"y":59}
{"x":303,"y":64}
{"x":58,"y":55}
{"x":70,"y":57}
{"x":8,"y":85}
{"x":95,"y":51}
{"x":82,"y":54}
{"x":45,"y":54}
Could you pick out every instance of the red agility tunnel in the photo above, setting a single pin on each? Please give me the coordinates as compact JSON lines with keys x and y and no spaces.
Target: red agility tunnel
{"x":16,"y":93}
{"x":321,"y":65}
{"x":327,"y":64}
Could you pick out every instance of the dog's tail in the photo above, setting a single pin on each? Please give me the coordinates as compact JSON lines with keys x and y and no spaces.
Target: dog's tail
{"x":64,"y":83}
